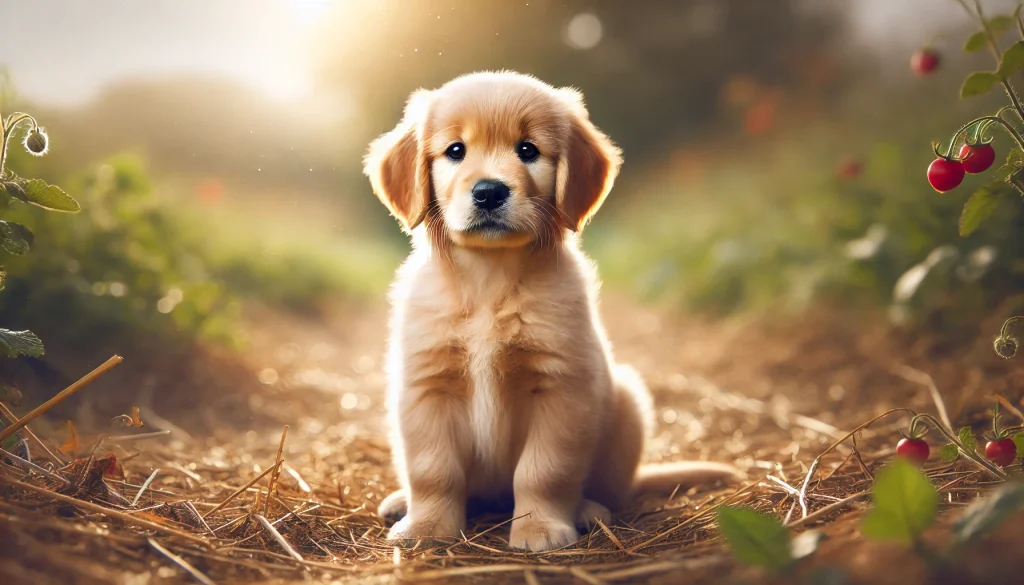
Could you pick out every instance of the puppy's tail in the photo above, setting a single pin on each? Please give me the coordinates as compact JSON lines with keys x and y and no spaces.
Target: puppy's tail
{"x":664,"y":478}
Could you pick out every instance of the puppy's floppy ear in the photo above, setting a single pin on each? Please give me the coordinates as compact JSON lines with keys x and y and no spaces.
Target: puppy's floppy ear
{"x":397,"y":165}
{"x":587,"y":168}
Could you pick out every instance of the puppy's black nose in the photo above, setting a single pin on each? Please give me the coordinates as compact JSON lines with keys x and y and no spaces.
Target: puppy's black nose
{"x":489,"y":194}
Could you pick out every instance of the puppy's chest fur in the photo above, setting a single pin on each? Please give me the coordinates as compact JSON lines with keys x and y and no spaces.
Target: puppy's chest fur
{"x":500,"y":351}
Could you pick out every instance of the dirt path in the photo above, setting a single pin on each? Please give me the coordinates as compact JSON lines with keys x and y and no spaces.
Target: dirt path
{"x":767,"y":398}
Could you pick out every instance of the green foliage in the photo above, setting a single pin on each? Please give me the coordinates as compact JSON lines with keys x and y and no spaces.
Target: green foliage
{"x":17,"y":343}
{"x":967,"y":438}
{"x":756,"y":539}
{"x":15,"y":238}
{"x":1018,"y":440}
{"x":949,"y":453}
{"x":978,"y":83}
{"x":981,"y":205}
{"x":905,"y":503}
{"x":976,"y":42}
{"x":1012,"y":60}
{"x":986,"y":514}
{"x":132,"y":262}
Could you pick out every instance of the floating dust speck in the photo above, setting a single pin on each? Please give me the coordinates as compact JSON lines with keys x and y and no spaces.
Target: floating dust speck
{"x":268,"y":376}
{"x":349,"y":401}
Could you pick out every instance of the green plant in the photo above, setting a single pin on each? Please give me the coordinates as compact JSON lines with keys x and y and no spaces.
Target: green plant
{"x":15,"y":238}
{"x":976,"y":153}
{"x":760,"y":540}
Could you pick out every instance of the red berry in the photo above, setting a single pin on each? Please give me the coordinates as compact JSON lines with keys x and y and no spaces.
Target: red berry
{"x":977,"y":158}
{"x":1001,"y":452}
{"x":850,"y":169}
{"x":924,"y":62}
{"x":945,"y":174}
{"x":913,"y":449}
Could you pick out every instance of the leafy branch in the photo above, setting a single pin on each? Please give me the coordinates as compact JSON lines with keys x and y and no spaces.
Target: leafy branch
{"x":17,"y":239}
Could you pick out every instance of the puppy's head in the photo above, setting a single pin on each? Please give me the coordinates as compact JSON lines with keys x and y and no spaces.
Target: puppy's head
{"x":494,"y":160}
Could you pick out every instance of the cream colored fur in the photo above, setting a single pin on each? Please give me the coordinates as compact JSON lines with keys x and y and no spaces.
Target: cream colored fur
{"x":502,"y":385}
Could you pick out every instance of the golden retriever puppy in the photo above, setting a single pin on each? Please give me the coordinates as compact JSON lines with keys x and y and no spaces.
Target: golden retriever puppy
{"x":502,"y":384}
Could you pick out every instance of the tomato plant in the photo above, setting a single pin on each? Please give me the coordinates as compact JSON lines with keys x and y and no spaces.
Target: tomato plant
{"x":970,"y":145}
{"x":16,"y":239}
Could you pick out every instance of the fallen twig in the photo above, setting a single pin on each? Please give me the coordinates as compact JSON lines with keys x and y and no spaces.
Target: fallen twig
{"x":42,"y":408}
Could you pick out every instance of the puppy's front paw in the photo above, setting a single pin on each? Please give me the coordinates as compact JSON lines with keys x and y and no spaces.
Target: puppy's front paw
{"x":541,"y":534}
{"x":405,"y":532}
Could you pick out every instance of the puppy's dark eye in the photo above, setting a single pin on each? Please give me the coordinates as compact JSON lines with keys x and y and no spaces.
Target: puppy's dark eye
{"x":527,"y":151}
{"x":456,"y":152}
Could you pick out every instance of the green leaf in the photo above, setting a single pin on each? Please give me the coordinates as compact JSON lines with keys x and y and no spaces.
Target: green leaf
{"x":756,"y":539}
{"x":980,"y":206}
{"x":966,"y":436}
{"x":1012,"y":60}
{"x":15,"y":343}
{"x":1000,"y":24}
{"x":11,"y":442}
{"x":985,"y":514}
{"x":978,"y":83}
{"x":16,"y":238}
{"x":39,"y":192}
{"x":905,"y":503}
{"x":975,"y":42}
{"x":1014,"y":160}
{"x":1018,"y":440}
{"x":949,"y":453}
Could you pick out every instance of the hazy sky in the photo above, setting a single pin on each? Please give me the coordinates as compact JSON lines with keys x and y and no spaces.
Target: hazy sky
{"x":64,"y":51}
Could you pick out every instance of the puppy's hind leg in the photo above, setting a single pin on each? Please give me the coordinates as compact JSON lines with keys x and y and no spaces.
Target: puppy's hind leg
{"x":623,"y":436}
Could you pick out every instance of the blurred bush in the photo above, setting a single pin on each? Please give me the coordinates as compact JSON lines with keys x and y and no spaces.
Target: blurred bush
{"x":131,"y":262}
{"x":834,"y":210}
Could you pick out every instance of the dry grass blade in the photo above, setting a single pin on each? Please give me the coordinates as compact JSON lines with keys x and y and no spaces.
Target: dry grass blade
{"x":735,"y":495}
{"x":802,"y":500}
{"x":1010,"y":407}
{"x":650,"y":568}
{"x":280,"y":539}
{"x":196,"y":574}
{"x":441,"y":574}
{"x":611,"y":535}
{"x":918,"y":377}
{"x":827,"y":509}
{"x":12,"y":457}
{"x":42,"y":408}
{"x":584,"y":576}
{"x":145,"y":485}
{"x":137,"y":437}
{"x":11,"y":419}
{"x":239,"y":491}
{"x":128,"y":518}
{"x":277,"y":470}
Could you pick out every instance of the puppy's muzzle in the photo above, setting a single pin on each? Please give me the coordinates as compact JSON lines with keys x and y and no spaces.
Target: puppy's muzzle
{"x":489,"y":194}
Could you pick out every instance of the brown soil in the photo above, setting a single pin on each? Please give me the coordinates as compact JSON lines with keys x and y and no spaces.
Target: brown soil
{"x":769,"y":397}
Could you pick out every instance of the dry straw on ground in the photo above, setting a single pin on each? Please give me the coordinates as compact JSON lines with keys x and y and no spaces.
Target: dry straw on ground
{"x":189,"y":517}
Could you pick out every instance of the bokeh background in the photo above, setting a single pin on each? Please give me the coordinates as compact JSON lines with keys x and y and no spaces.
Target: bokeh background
{"x":775,"y":154}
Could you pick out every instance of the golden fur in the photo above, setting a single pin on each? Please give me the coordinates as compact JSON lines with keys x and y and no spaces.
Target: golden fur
{"x":502,"y":385}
